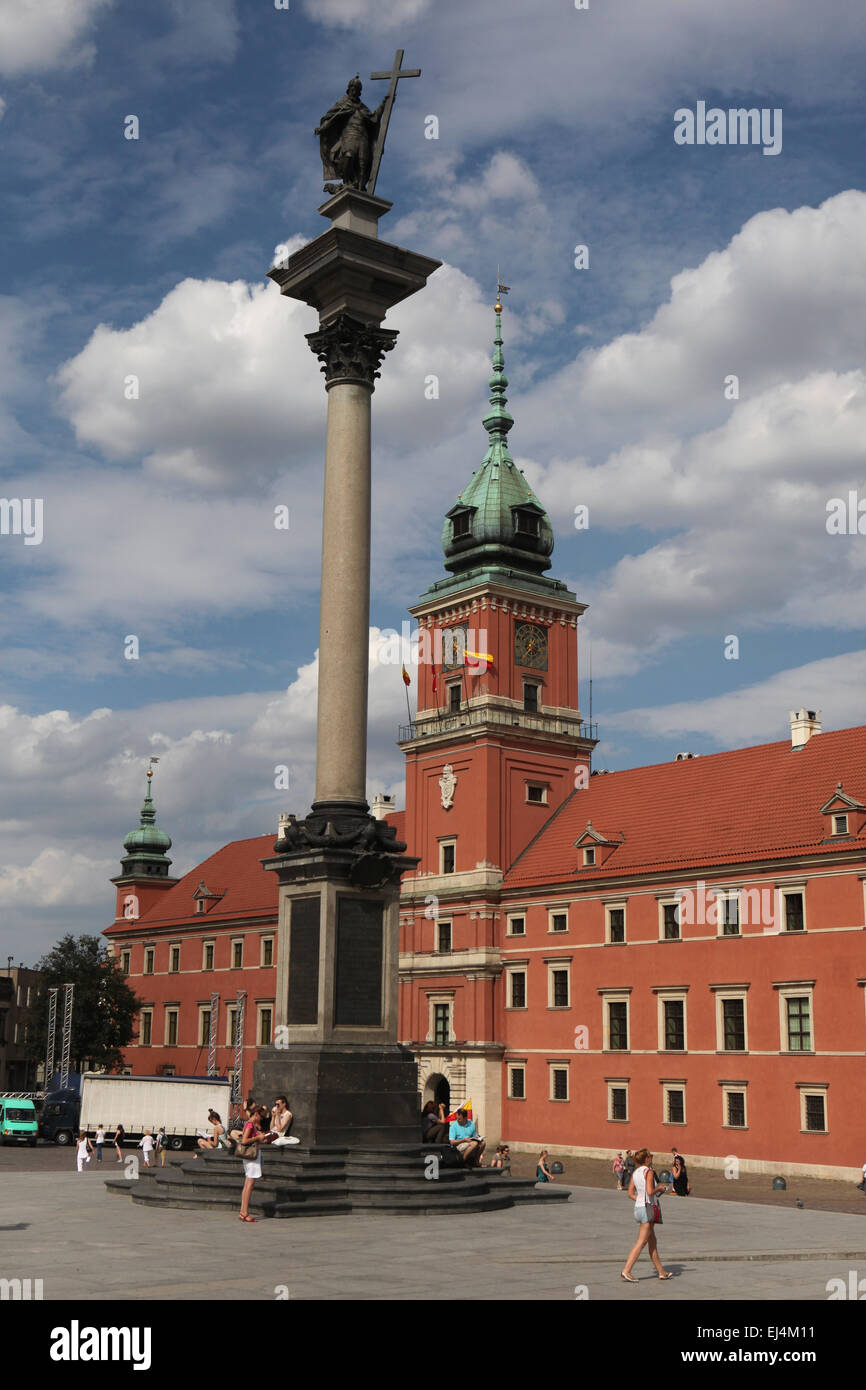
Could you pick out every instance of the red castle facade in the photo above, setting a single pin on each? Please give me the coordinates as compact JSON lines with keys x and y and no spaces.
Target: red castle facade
{"x":667,"y":955}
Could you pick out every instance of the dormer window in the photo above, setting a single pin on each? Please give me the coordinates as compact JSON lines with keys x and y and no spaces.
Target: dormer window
{"x":589,"y":856}
{"x":461,"y":525}
{"x":840,"y":825}
{"x":526,"y":522}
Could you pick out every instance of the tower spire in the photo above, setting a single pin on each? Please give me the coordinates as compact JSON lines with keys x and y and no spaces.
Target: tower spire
{"x":497,"y":525}
{"x":147,"y":846}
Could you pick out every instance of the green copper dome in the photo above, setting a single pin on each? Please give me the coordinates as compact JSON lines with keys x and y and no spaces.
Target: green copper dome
{"x":497,"y":521}
{"x":147,"y":846}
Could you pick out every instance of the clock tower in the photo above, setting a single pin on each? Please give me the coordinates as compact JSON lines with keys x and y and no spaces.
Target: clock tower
{"x":496,"y":746}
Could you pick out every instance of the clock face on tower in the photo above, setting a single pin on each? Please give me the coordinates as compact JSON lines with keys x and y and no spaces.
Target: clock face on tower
{"x":530,"y":646}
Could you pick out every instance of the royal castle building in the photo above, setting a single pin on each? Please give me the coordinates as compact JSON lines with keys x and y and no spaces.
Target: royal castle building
{"x":667,"y":955}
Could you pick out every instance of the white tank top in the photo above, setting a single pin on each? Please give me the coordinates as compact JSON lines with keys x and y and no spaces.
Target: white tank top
{"x":640,"y":1186}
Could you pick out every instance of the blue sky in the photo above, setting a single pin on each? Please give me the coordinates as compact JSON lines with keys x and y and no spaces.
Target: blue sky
{"x":147,"y":257}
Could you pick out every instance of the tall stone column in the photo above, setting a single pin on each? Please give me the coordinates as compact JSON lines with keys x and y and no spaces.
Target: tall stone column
{"x":336,"y":1053}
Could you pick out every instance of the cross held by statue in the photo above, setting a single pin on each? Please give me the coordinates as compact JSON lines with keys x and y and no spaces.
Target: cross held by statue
{"x":392,"y":77}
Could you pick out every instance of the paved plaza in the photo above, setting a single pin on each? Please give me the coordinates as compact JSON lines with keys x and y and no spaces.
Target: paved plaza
{"x":64,"y":1228}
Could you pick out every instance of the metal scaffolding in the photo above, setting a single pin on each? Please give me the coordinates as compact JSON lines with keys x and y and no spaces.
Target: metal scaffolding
{"x":240,"y":1010}
{"x":52,"y":1024}
{"x":212,"y":1035}
{"x":66,"y":1041}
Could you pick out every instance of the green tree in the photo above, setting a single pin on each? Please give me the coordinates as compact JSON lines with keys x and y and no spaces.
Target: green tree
{"x":103,"y":1007}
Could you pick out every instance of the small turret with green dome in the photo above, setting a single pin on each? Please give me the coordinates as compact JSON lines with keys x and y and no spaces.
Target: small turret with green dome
{"x":147,"y":846}
{"x":497,"y":528}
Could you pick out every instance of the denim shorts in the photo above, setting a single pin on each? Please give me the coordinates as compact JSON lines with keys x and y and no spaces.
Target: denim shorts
{"x":641,"y":1215}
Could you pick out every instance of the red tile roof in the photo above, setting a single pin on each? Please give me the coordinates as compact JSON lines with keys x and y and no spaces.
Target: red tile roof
{"x":720,"y":808}
{"x":237,"y":873}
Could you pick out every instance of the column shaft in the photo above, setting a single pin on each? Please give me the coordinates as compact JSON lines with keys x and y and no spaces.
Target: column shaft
{"x":344,"y":622}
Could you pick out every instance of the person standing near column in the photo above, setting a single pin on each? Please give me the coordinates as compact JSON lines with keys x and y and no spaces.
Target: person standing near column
{"x":100,"y":1140}
{"x":252,"y":1139}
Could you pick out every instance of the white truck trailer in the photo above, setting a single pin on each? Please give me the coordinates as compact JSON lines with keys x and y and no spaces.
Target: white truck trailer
{"x":180,"y":1103}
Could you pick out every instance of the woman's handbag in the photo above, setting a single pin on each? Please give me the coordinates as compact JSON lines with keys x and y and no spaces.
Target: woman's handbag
{"x":243,"y":1150}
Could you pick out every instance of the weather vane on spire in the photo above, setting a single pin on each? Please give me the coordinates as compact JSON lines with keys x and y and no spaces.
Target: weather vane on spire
{"x":150,"y":766}
{"x":500,"y":291}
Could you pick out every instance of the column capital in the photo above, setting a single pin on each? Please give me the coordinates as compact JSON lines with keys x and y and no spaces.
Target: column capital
{"x":351,"y":351}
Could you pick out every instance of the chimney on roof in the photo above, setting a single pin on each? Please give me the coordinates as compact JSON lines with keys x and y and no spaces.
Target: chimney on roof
{"x":804,"y":723}
{"x":381,"y":805}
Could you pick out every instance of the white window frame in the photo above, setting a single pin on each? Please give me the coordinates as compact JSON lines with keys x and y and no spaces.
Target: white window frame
{"x":510,"y":919}
{"x":617,"y":1086}
{"x":210,"y":942}
{"x":670,"y":901}
{"x":615,"y":996}
{"x":551,"y":967}
{"x":589,"y":857}
{"x":510,"y":972}
{"x":722,"y":994}
{"x":145,"y":1014}
{"x":785,"y":892}
{"x":149,"y":954}
{"x":552,"y":1068}
{"x":512,"y":1068}
{"x":736,"y":1090}
{"x":172,"y":969}
{"x":667,"y":1087}
{"x":203,"y":1032}
{"x":440,"y":997}
{"x":171,"y":1009}
{"x":670,"y":996}
{"x":126,"y":959}
{"x":236,"y":941}
{"x":841,"y":815}
{"x":265,"y":1007}
{"x":439,"y":924}
{"x":262,"y":953}
{"x":449,"y":841}
{"x":795,"y":991}
{"x":722,"y":896}
{"x":608,"y":909}
{"x":557,"y":912}
{"x":814,"y":1089}
{"x":543,"y":787}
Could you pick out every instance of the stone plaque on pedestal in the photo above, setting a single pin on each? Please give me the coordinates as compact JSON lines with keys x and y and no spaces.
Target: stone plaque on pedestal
{"x":358,"y":966}
{"x":304,"y":961}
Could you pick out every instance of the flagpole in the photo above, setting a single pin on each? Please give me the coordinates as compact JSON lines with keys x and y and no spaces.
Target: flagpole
{"x":408,"y":710}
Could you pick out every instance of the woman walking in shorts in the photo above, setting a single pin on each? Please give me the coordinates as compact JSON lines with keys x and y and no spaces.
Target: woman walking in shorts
{"x":643,"y":1189}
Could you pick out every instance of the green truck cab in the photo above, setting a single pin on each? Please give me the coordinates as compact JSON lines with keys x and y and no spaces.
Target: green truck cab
{"x":18,"y":1121}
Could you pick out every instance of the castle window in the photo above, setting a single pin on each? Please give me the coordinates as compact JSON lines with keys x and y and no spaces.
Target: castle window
{"x":125,"y":958}
{"x":840,"y":825}
{"x":441,"y":1024}
{"x":617,"y":1102}
{"x":237,"y":954}
{"x":444,"y":936}
{"x":461,"y":524}
{"x":558,"y":1082}
{"x":526,"y":523}
{"x":174,"y":959}
{"x":516,"y":1082}
{"x":447,"y":856}
{"x":537,"y":792}
{"x":589,"y":856}
{"x":616,"y":925}
{"x":454,"y":698}
{"x":207,"y":955}
{"x":148,"y":960}
{"x":530,"y":697}
{"x":267,"y":950}
{"x":171,"y":1027}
